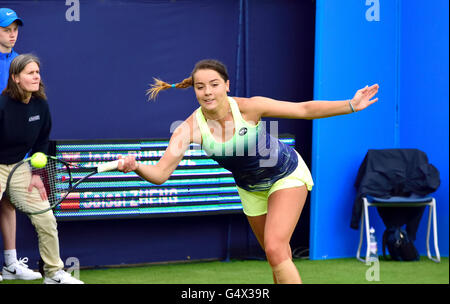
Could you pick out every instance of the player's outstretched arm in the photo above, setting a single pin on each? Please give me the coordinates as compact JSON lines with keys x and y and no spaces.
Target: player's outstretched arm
{"x":163,"y":169}
{"x":267,"y":107}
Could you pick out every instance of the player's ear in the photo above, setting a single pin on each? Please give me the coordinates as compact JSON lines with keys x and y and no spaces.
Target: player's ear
{"x":227,"y":84}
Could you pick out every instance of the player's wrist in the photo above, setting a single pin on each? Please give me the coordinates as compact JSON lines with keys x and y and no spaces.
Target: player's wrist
{"x":351,"y":106}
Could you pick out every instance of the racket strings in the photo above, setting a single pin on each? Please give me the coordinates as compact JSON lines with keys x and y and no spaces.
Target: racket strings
{"x":35,"y":189}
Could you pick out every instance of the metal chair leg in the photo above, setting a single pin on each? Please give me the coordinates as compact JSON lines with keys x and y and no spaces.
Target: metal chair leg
{"x":361,"y":230}
{"x":430,"y":211}
{"x":436,"y":248}
{"x":366,"y":212}
{"x":365,"y":219}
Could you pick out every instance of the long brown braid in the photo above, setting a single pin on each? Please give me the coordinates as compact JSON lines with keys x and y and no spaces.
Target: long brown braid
{"x":207,"y":64}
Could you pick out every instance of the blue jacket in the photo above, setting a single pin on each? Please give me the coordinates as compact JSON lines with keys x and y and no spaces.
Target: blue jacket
{"x":5,"y":62}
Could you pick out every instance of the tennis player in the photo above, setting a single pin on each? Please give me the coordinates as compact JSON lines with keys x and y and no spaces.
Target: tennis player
{"x":25,"y":125}
{"x":272,"y":179}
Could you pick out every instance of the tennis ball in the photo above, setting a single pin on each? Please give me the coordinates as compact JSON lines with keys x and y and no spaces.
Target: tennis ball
{"x":38,"y":160}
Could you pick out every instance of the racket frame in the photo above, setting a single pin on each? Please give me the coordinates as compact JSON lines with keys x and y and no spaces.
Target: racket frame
{"x":108,"y":166}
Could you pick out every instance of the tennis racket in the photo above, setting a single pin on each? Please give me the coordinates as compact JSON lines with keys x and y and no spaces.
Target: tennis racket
{"x":37,"y":190}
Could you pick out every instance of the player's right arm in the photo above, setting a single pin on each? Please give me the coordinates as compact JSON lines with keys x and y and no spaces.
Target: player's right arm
{"x":159,"y":173}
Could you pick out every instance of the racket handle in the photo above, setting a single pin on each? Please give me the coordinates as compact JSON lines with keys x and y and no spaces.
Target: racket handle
{"x":109,"y":166}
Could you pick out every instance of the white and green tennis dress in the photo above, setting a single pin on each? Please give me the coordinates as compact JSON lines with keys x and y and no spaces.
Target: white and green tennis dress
{"x":259,"y":162}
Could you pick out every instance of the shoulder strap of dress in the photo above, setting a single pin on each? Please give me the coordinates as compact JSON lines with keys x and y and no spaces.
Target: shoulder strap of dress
{"x":238,"y":119}
{"x":201,"y":122}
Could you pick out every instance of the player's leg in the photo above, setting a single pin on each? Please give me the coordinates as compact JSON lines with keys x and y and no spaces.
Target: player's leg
{"x":284,"y":209}
{"x":255,"y":207}
{"x":257,"y":223}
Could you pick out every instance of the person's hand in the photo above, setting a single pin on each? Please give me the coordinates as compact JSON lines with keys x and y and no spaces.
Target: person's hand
{"x":363,"y":97}
{"x":127,"y":164}
{"x":36,"y":182}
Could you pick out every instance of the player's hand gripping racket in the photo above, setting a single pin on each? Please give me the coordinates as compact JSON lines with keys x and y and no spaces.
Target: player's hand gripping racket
{"x":35,"y":190}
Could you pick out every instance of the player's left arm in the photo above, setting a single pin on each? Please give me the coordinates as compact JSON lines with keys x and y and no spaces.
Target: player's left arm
{"x":267,"y":107}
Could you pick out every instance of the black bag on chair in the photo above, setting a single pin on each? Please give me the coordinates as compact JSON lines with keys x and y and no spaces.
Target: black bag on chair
{"x":399,"y":245}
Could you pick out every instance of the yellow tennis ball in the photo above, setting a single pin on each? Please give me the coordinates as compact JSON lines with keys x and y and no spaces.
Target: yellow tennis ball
{"x":38,"y":160}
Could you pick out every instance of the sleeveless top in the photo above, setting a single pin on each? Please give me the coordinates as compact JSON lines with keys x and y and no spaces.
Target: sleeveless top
{"x":254,"y":157}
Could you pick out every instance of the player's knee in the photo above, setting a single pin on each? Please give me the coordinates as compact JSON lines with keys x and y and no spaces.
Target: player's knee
{"x":276,"y":251}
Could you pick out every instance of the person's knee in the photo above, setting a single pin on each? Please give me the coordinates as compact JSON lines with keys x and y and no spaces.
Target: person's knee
{"x":6,"y":206}
{"x":276,"y":250}
{"x":44,"y":223}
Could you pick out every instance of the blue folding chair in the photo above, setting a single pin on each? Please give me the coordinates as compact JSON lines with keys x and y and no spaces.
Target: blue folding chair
{"x":397,"y":201}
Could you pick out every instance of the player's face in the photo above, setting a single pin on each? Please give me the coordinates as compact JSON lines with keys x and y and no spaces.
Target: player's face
{"x":210,"y":88}
{"x":8,"y":37}
{"x":29,"y":78}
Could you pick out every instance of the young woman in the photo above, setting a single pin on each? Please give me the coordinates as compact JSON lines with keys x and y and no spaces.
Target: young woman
{"x":25,"y":125}
{"x":272,"y":179}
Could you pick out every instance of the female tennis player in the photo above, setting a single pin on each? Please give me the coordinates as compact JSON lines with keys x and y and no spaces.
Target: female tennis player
{"x":272,"y":179}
